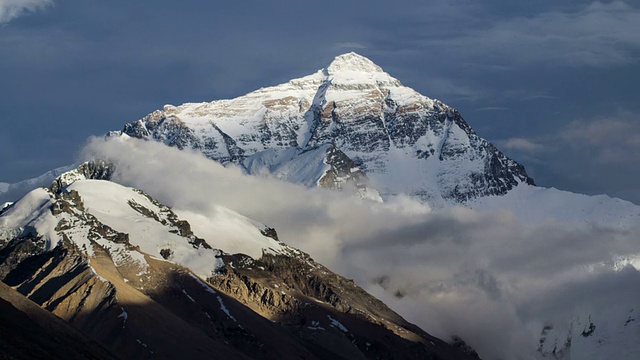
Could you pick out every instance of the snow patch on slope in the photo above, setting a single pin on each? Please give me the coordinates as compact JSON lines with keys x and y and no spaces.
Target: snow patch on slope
{"x":610,"y":334}
{"x":107,"y":201}
{"x":30,"y":215}
{"x":337,"y":324}
{"x":231,"y":232}
{"x":225,"y":309}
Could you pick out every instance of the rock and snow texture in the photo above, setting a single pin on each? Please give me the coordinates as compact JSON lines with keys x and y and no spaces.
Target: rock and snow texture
{"x":30,"y":214}
{"x":612,"y":335}
{"x":233,"y":233}
{"x":149,"y":227}
{"x":152,"y":228}
{"x":403,"y":141}
{"x":5,"y":205}
{"x":324,"y":166}
{"x":352,"y":126}
{"x":131,"y":272}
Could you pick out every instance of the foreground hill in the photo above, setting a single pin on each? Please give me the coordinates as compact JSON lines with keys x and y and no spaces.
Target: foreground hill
{"x":128,"y":272}
{"x":29,"y":332}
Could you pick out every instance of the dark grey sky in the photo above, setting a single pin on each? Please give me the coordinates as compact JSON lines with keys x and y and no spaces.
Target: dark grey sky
{"x":553,"y":84}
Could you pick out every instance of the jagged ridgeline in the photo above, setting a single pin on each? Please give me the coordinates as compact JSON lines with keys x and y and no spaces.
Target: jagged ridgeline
{"x":396,"y":139}
{"x":134,"y":275}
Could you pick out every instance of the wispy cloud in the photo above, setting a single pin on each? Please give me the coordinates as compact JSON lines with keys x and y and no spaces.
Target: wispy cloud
{"x":349,"y":45}
{"x":615,"y":139}
{"x":605,"y":140}
{"x":11,"y":9}
{"x":492,"y":108}
{"x":521,"y":144}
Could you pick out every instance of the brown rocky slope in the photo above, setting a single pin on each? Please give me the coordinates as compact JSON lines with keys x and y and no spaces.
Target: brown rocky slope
{"x":140,"y":305}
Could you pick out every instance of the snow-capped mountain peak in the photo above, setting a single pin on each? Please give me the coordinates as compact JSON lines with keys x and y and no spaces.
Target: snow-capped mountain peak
{"x":352,"y":62}
{"x":357,"y":71}
{"x":381,"y":126}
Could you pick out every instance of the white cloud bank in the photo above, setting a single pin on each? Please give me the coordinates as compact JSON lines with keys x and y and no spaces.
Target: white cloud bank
{"x":11,"y":9}
{"x":522,"y":144}
{"x":486,"y":277}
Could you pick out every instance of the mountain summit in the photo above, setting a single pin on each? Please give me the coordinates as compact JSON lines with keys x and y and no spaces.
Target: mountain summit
{"x":384,"y":138}
{"x":355,"y":69}
{"x":353,"y":62}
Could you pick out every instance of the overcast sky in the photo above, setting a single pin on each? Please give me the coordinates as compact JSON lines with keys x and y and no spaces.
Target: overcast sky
{"x":553,"y":84}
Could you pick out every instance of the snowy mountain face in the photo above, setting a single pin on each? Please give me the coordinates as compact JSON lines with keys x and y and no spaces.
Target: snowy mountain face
{"x":611,"y":336}
{"x":397,"y":140}
{"x":534,"y":205}
{"x":148,"y":281}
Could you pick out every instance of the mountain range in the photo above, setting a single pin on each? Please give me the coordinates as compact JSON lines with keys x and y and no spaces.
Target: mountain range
{"x":147,"y":281}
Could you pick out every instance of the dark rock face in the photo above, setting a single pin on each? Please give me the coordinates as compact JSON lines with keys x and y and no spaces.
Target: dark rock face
{"x":30,"y":332}
{"x":270,"y":232}
{"x":62,"y":282}
{"x":457,"y":342}
{"x":94,"y":169}
{"x":343,"y":172}
{"x":17,"y":250}
{"x":320,"y":306}
{"x":372,"y":136}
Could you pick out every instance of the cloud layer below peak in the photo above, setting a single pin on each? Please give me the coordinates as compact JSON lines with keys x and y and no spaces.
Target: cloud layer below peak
{"x":484,"y":276}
